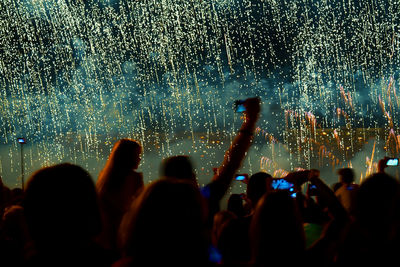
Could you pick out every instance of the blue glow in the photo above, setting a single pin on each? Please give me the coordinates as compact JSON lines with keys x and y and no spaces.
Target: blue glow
{"x":240,"y":178}
{"x":281,"y":184}
{"x":393,"y":162}
{"x":214,"y":255}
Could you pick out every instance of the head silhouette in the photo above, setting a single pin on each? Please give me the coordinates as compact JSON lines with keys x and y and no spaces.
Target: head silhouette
{"x":165,"y":225}
{"x":378,"y":203}
{"x":124,"y":157}
{"x":17,"y":196}
{"x":346,"y":175}
{"x":61,"y":206}
{"x":259,"y":183}
{"x":126,"y":154}
{"x":179,"y":167}
{"x":235,"y":205}
{"x":276,"y":230}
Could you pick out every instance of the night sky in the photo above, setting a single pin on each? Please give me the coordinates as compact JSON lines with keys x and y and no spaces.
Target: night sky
{"x":77,"y":75}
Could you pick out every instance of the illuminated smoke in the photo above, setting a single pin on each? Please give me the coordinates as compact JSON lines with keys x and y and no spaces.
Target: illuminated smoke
{"x":77,"y":75}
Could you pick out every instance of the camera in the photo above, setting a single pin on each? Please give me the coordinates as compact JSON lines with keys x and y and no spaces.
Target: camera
{"x":239,"y":106}
{"x":392,"y":162}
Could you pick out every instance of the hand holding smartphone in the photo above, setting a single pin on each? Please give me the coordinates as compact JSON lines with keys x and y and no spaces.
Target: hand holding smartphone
{"x":239,"y":106}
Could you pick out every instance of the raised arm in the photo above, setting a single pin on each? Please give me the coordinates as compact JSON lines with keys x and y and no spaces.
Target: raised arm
{"x":298,"y":178}
{"x":240,"y":145}
{"x":335,"y":207}
{"x":323,"y":250}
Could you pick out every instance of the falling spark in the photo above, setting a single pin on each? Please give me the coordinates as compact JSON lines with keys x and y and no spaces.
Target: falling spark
{"x":75,"y":76}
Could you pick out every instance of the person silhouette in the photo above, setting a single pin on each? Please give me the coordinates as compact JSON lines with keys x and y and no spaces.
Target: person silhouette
{"x":63,"y":218}
{"x":117,"y":186}
{"x":234,"y":240}
{"x":181,"y":167}
{"x":258,"y":184}
{"x":235,"y":205}
{"x":373,"y":237}
{"x":165,"y":226}
{"x":346,"y":193}
{"x":277,"y":231}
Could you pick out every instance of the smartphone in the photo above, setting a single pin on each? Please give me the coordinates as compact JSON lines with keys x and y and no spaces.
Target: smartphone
{"x":239,"y":106}
{"x":392,"y":162}
{"x":21,"y":140}
{"x":240,"y":177}
{"x":280,"y":183}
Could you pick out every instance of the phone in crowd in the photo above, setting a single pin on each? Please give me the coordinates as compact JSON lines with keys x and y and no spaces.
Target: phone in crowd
{"x":282,"y":184}
{"x":312,"y":190}
{"x":21,"y":140}
{"x":392,"y":162}
{"x":239,"y":106}
{"x":240,"y":177}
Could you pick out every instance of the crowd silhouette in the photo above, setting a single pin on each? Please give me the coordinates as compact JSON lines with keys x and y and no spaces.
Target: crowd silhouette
{"x":63,"y":218}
